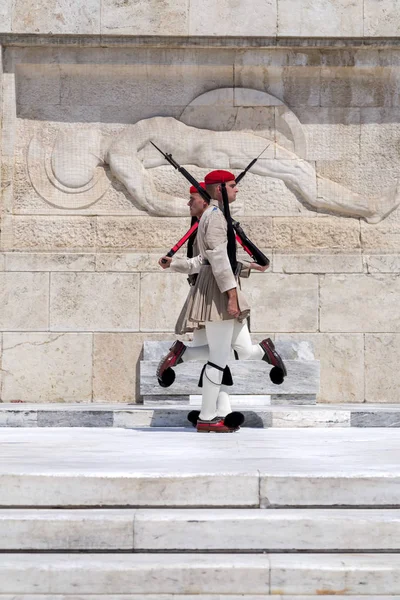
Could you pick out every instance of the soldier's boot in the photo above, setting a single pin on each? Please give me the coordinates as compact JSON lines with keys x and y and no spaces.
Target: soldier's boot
{"x":165,"y":373}
{"x":271,"y":356}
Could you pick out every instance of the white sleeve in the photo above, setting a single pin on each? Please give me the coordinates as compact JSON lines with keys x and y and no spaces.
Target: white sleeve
{"x":186,"y":265}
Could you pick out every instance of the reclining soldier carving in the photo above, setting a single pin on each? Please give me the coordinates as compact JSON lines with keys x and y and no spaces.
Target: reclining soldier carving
{"x":131,"y":158}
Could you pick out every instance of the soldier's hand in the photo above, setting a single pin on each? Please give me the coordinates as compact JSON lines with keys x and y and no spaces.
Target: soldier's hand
{"x":165,"y":262}
{"x":233,"y":305}
{"x":258,"y":267}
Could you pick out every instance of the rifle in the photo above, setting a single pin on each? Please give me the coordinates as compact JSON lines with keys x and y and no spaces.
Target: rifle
{"x":241,"y":237}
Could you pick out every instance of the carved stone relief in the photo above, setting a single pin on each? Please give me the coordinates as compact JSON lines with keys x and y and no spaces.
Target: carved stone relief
{"x":70,"y":174}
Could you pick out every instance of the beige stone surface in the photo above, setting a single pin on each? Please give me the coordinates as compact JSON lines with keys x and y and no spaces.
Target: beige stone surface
{"x":232,"y":18}
{"x":381,"y":18}
{"x":382,"y":376}
{"x":57,"y":16}
{"x":139,"y":232}
{"x":44,"y":233}
{"x":2,"y":262}
{"x":324,"y":232}
{"x":268,"y":197}
{"x":24,"y":261}
{"x":341,"y":359}
{"x":5,"y":16}
{"x":24,"y":301}
{"x":371,"y":86}
{"x":294,"y":85}
{"x":38,"y":84}
{"x":46,"y":367}
{"x":130,"y":262}
{"x":330,"y":18}
{"x":332,"y":133}
{"x":94,"y":302}
{"x":383,"y":236}
{"x":359,"y":303}
{"x":161,"y":299}
{"x":123,"y":17}
{"x":116,"y":359}
{"x":282,"y":303}
{"x":320,"y":262}
{"x":382,"y":263}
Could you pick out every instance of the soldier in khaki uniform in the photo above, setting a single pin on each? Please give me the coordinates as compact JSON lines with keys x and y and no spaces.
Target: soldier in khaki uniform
{"x":217,"y":302}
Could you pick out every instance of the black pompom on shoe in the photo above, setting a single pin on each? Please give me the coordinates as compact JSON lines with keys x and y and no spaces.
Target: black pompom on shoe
{"x":167,"y":378}
{"x":234,"y":420}
{"x":193,"y":417}
{"x":276,"y":375}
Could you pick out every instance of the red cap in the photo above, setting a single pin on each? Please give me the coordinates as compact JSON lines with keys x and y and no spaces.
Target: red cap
{"x":218,"y":177}
{"x":194,"y":190}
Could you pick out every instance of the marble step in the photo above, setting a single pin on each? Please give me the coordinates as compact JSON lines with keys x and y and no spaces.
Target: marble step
{"x":165,"y":468}
{"x":315,"y":575}
{"x":189,"y":597}
{"x":249,"y":377}
{"x":131,"y":415}
{"x":204,"y":530}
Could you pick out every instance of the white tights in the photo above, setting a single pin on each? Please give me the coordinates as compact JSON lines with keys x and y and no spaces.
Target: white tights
{"x":214,"y":344}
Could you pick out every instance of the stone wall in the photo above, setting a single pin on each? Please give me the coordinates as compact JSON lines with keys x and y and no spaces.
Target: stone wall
{"x":80,"y":289}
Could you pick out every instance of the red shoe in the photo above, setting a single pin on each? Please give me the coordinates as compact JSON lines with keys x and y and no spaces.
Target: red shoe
{"x":216,"y":425}
{"x":165,"y":374}
{"x":278,"y":373}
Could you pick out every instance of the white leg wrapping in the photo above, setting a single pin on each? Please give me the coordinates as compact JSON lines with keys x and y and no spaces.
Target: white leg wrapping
{"x":219,"y":337}
{"x":241,"y":342}
{"x":198,"y":348}
{"x":223,"y":402}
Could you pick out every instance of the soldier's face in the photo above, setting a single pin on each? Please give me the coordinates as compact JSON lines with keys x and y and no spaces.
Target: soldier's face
{"x":231,"y":190}
{"x":197,"y":205}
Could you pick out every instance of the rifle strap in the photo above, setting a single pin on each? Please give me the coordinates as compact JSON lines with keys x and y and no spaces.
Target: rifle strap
{"x":231,"y":232}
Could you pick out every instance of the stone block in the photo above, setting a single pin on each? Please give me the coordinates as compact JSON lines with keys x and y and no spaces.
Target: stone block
{"x":259,"y":21}
{"x":375,"y":419}
{"x":326,"y":18}
{"x":6,"y":16}
{"x":321,"y":262}
{"x":341,"y":358}
{"x":294,"y":85}
{"x":139,"y":232}
{"x":47,"y":261}
{"x":381,"y":18}
{"x":82,"y":418}
{"x":63,"y":17}
{"x":94,"y":302}
{"x":370,"y":303}
{"x":2,"y":262}
{"x":132,"y":262}
{"x":180,"y":574}
{"x":103,"y":84}
{"x":332,"y":133}
{"x":115,"y":367}
{"x":383,"y":236}
{"x":269,"y":197}
{"x":24,"y":299}
{"x":282,"y":302}
{"x":357,"y":86}
{"x":248,"y":377}
{"x":44,"y":233}
{"x":161,"y":299}
{"x":149,"y":18}
{"x":18,"y":418}
{"x":382,"y":377}
{"x":54,"y":530}
{"x":37,"y":84}
{"x":45,"y":367}
{"x":310,"y":418}
{"x":382,"y":263}
{"x":325,"y":232}
{"x":354,"y":574}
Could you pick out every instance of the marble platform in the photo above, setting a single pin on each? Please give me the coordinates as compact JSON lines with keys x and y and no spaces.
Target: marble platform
{"x":167,"y":514}
{"x":128,"y":416}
